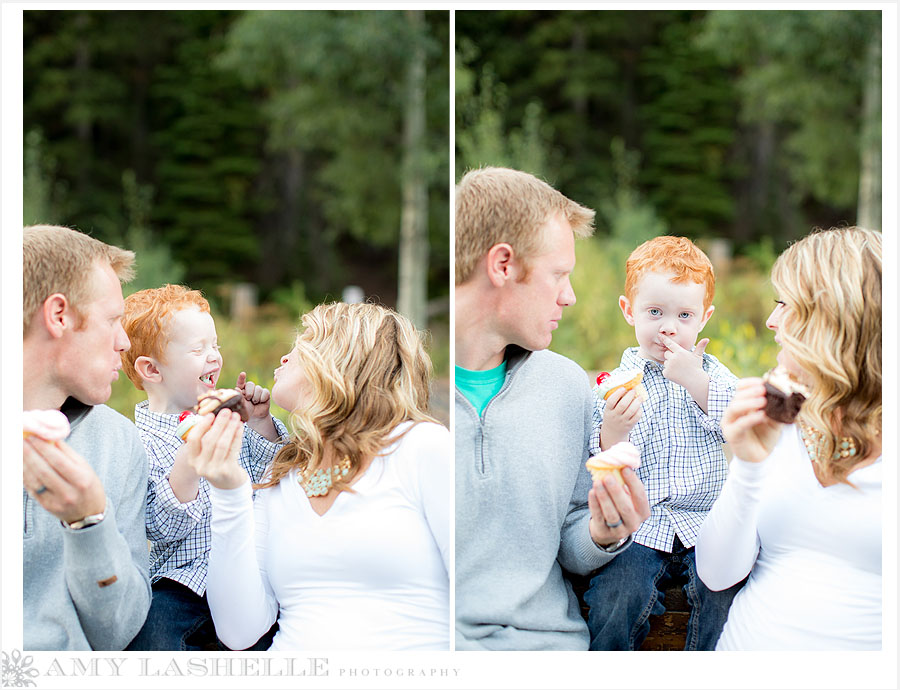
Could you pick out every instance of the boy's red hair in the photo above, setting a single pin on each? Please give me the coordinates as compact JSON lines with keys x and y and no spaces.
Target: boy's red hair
{"x":669,"y":254}
{"x":147,"y":313}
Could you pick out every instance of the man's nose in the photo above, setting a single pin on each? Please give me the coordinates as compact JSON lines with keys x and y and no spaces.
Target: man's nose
{"x":567,"y":296}
{"x":122,"y":343}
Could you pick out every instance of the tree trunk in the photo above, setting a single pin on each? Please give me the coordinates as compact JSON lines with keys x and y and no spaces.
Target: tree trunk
{"x":413,"y":259}
{"x":869,"y":203}
{"x":279,"y":230}
{"x":83,"y":124}
{"x":581,"y":133}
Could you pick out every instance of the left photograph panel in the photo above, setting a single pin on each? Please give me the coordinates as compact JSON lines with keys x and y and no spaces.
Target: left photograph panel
{"x":236,"y":295}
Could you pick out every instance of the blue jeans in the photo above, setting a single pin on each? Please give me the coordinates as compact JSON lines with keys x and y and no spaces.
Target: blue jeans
{"x":180,"y":620}
{"x":629,"y":589}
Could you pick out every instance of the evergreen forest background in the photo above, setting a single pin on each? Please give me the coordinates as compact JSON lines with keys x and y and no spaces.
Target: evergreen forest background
{"x":267,"y":158}
{"x":742,"y":130}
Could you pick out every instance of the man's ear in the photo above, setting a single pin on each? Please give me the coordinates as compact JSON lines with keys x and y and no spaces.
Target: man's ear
{"x":500,"y":264}
{"x":57,"y":314}
{"x":147,"y":369}
{"x":627,"y":311}
{"x":709,"y":312}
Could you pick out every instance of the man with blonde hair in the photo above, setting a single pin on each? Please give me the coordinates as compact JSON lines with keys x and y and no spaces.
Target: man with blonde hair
{"x":86,"y":581}
{"x":526,"y":507}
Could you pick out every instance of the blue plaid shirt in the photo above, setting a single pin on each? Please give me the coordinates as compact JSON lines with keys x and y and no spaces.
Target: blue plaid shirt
{"x":683,"y":466}
{"x":179,"y":532}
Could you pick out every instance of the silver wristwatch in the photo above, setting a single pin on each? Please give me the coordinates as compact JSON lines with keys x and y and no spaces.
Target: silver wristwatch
{"x":613,"y":547}
{"x":86,"y":521}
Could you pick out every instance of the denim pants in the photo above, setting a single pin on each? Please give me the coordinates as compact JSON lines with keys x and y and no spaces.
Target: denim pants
{"x":629,"y":589}
{"x":180,"y":620}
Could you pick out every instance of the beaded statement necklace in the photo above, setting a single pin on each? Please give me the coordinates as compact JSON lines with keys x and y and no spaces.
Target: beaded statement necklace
{"x":319,"y":482}
{"x":814,"y":441}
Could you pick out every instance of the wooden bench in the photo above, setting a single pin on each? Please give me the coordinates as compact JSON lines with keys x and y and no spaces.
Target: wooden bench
{"x":668,"y":632}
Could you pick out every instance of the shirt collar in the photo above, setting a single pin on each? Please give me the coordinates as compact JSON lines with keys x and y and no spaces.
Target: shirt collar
{"x":632,"y":360}
{"x":75,"y":410}
{"x":156,"y":421}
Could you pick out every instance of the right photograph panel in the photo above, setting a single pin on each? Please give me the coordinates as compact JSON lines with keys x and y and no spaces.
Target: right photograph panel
{"x":668,"y":336}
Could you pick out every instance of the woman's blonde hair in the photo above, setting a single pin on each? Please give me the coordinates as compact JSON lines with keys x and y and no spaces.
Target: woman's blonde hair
{"x":368,"y":372}
{"x":830,"y":282}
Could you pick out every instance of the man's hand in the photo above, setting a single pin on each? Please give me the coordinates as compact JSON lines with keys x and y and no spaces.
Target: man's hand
{"x":256,"y":405}
{"x":60,"y":480}
{"x":616,"y":510}
{"x":623,"y":410}
{"x":685,"y":367}
{"x":212,"y":449}
{"x":750,"y":432}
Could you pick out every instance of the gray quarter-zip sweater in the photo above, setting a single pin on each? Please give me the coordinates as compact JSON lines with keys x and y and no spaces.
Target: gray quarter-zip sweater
{"x":521,"y":508}
{"x":90,"y":588}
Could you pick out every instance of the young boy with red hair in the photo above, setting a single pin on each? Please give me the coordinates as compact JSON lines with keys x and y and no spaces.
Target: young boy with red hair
{"x":174,"y":357}
{"x":669,"y":288}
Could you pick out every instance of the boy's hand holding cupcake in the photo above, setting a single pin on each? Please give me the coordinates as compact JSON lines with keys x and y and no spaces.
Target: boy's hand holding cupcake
{"x":623,"y":411}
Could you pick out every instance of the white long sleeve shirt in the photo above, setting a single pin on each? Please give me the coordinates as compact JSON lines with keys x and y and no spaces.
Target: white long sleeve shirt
{"x":813,"y":554}
{"x":371,"y":573}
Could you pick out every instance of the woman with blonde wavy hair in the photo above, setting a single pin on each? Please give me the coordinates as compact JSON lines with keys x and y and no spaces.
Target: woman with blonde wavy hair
{"x":347,"y":541}
{"x":801,"y":509}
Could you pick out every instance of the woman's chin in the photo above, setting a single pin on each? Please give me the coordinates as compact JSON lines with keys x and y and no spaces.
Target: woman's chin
{"x":784,"y":360}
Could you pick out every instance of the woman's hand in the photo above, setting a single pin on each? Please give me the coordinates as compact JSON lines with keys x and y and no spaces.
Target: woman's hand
{"x":213,"y":446}
{"x":750,"y":433}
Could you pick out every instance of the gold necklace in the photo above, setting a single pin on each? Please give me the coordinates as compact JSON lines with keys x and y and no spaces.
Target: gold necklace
{"x":814,"y":440}
{"x":319,"y":482}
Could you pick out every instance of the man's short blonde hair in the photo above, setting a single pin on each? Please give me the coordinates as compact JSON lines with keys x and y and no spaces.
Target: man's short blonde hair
{"x":57,"y":259}
{"x":495,"y":205}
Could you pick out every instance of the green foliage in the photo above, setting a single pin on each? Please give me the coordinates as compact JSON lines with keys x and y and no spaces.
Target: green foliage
{"x":593,"y":332}
{"x":290,"y":174}
{"x":688,"y":119}
{"x":153,"y":260}
{"x":657,"y":81}
{"x":741,"y":345}
{"x":40,"y":187}
{"x":336,"y":106}
{"x":804,"y":71}
{"x":481,"y":130}
{"x":437,"y":344}
{"x":209,"y":146}
{"x":293,"y":299}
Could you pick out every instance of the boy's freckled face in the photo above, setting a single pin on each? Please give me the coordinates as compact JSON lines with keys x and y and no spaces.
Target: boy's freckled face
{"x":192,"y":359}
{"x":662,"y":307}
